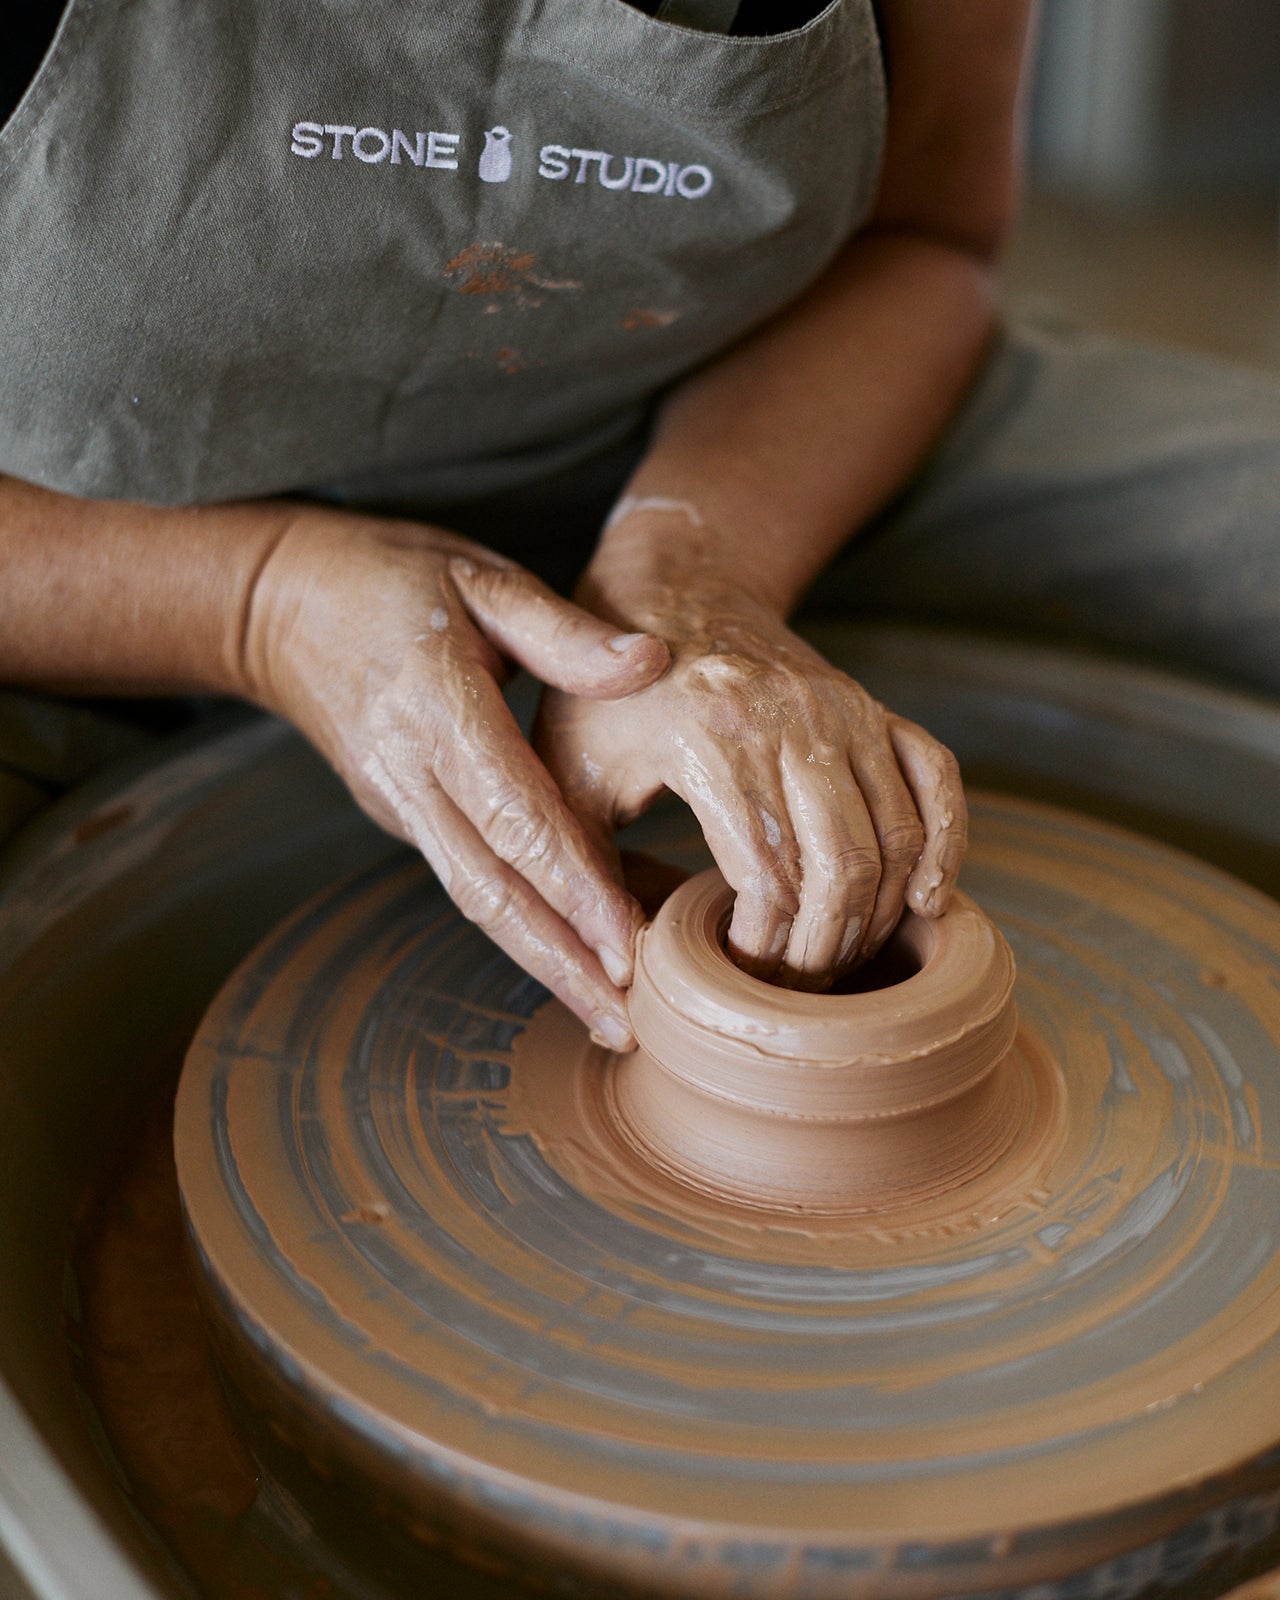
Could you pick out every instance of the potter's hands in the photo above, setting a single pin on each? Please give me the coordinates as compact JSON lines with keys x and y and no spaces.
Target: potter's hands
{"x":823,"y":810}
{"x":385,"y":643}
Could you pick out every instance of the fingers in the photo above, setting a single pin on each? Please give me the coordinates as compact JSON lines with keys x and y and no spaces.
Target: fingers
{"x":495,"y":896}
{"x":558,"y":642}
{"x":841,"y":870}
{"x":493,"y":777}
{"x":933,"y":777}
{"x":899,"y":833}
{"x":892,"y":833}
{"x":747,"y":828}
{"x":823,"y":859}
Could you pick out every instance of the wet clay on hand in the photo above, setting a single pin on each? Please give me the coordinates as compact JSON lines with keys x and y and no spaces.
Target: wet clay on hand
{"x":386,"y":643}
{"x":825,"y":811}
{"x":840,"y":1102}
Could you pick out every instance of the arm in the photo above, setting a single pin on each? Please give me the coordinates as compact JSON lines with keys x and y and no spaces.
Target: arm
{"x":761,"y":466}
{"x":805,"y":430}
{"x":265,"y":600}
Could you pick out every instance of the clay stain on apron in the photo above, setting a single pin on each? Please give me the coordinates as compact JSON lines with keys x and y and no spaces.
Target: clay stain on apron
{"x":499,"y":270}
{"x":644,"y":317}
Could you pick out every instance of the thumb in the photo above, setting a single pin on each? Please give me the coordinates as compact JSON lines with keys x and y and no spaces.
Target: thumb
{"x":556,"y":641}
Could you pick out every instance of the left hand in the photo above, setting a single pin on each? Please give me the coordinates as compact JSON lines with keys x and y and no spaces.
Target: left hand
{"x":825,"y":812}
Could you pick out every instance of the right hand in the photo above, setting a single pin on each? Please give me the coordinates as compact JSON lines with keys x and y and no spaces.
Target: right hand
{"x":386,"y":644}
{"x":824,"y":811}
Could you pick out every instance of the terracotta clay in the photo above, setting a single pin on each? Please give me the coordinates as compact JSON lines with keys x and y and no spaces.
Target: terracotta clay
{"x":438,"y":1267}
{"x":830,"y":1102}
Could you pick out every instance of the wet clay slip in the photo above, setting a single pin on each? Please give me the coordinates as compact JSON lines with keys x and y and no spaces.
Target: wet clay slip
{"x":977,"y":1294}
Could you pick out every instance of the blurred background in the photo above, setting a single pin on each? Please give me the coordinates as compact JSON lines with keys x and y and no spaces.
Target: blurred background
{"x":1153,"y":201}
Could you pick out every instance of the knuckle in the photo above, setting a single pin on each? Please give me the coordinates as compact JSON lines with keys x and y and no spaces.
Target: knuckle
{"x":488,"y":902}
{"x":451,"y":760}
{"x":946,"y":767}
{"x":860,"y":869}
{"x":520,"y":836}
{"x":721,"y":670}
{"x":958,"y":840}
{"x":947,"y":762}
{"x":805,"y":699}
{"x":586,"y":901}
{"x":499,"y":589}
{"x":484,"y":576}
{"x":566,"y":626}
{"x":866,"y":713}
{"x":902,"y":843}
{"x":935,"y":761}
{"x":767,"y":883}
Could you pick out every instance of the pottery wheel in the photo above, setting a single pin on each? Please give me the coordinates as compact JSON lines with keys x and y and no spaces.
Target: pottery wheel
{"x":435,"y":1268}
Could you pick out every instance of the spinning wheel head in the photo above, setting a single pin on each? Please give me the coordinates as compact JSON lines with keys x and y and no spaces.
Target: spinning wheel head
{"x":468,"y":1265}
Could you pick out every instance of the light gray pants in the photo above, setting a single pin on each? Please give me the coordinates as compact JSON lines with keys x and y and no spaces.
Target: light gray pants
{"x":1098,"y":490}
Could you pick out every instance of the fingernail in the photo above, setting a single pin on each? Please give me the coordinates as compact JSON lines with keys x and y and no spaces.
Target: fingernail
{"x":612,"y":1033}
{"x":622,"y":642}
{"x":615,"y":964}
{"x":462,"y":566}
{"x":933,"y":895}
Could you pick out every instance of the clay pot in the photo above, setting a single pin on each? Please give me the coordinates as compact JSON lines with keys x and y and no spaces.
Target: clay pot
{"x":819,"y":1102}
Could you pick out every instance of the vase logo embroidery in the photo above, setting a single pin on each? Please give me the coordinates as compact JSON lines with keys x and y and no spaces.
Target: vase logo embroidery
{"x":495,"y":158}
{"x":500,"y":159}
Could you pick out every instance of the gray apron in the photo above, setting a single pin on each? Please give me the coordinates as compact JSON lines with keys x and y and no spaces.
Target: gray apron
{"x":437,"y":258}
{"x":445,"y":266}
{"x":419,"y":253}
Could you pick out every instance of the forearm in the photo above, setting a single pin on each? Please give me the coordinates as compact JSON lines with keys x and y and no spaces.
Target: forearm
{"x":112,"y":597}
{"x":773,"y":456}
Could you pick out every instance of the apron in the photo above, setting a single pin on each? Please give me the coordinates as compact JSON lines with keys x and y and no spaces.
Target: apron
{"x":432,"y":258}
{"x":410,"y":253}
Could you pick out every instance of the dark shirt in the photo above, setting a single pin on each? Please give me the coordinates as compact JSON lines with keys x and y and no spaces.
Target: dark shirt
{"x":31,"y":25}
{"x":25,"y":35}
{"x":760,"y":17}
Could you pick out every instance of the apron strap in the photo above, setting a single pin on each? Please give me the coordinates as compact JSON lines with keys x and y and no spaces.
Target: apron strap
{"x":709,"y":16}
